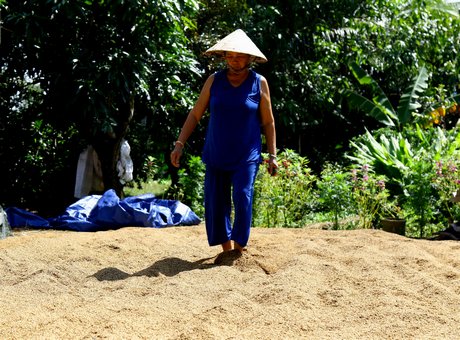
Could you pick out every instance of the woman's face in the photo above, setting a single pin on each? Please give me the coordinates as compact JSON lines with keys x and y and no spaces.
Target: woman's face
{"x":237,"y":61}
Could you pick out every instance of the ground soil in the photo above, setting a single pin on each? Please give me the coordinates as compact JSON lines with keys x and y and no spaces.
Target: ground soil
{"x":143,"y":283}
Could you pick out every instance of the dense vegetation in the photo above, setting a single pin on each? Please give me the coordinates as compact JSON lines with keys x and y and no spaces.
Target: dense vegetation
{"x":75,"y":73}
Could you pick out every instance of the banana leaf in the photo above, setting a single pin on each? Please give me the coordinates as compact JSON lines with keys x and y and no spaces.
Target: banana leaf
{"x":409,"y":100}
{"x":377,"y":111}
{"x":379,"y":107}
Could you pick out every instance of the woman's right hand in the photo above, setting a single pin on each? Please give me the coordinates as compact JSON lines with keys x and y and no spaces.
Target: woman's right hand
{"x":176,"y":155}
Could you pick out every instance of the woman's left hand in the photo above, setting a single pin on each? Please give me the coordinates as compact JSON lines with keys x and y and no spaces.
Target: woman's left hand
{"x":272,"y":166}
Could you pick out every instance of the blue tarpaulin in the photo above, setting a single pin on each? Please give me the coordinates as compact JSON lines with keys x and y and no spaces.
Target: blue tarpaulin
{"x":107,"y":211}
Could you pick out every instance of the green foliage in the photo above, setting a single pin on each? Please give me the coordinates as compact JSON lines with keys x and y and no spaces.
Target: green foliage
{"x":420,"y":202}
{"x":92,"y":70}
{"x":389,"y":153}
{"x":303,"y":77}
{"x":369,"y":195}
{"x":409,"y":100}
{"x":392,"y":153}
{"x":191,"y":185}
{"x":353,"y":199}
{"x":287,"y":199}
{"x":309,"y":44}
{"x":151,"y":187}
{"x":447,"y":184}
{"x":335,"y":192}
{"x":380,"y":107}
{"x":92,"y":67}
{"x":421,"y":166}
{"x":156,"y":182}
{"x":392,"y":209}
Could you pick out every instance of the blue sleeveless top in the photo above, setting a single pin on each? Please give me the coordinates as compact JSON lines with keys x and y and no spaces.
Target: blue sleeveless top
{"x":233,"y":134}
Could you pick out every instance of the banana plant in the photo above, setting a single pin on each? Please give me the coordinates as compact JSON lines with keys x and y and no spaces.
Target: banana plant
{"x":391,"y":154}
{"x":380,"y":106}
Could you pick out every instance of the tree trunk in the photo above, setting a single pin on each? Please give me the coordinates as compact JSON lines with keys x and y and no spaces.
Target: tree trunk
{"x":108,"y":150}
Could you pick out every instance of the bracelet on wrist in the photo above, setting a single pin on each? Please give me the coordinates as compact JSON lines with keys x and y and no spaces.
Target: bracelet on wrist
{"x":179,"y":142}
{"x":273,"y":156}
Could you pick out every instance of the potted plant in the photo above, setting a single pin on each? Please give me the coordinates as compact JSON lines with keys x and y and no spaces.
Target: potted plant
{"x":392,"y":218}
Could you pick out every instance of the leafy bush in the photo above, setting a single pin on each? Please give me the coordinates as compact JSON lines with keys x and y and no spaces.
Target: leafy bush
{"x":369,"y":195}
{"x":190,"y":189}
{"x":388,"y":152}
{"x":420,"y":201}
{"x":354,"y":198}
{"x":335,"y":192}
{"x":447,"y":184}
{"x":286,"y":199}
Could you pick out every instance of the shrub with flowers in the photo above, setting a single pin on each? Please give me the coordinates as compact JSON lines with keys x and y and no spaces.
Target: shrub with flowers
{"x":284,"y":200}
{"x":447,"y":184}
{"x":369,"y":195}
{"x":335,"y":193}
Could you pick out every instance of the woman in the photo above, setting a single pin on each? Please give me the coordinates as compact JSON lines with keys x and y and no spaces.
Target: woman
{"x":239,"y":102}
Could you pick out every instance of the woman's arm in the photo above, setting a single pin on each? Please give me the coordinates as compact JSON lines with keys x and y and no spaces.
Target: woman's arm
{"x":192,"y":120}
{"x":268,"y":125}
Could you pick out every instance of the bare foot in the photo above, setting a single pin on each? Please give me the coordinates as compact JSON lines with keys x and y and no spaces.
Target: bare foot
{"x":227,"y":258}
{"x":227,"y":246}
{"x":236,"y":246}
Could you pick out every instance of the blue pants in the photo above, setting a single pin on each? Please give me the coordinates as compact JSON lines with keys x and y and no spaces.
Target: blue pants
{"x":218,"y":196}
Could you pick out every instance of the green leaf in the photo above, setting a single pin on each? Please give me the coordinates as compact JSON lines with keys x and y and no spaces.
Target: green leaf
{"x":357,"y":101}
{"x":456,"y":98}
{"x":380,"y":107}
{"x":409,"y":100}
{"x":365,"y":79}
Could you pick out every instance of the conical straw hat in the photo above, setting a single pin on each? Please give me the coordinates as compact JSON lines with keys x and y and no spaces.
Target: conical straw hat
{"x":239,"y":42}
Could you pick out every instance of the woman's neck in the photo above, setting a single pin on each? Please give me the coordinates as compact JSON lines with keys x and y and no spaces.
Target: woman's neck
{"x":231,"y":72}
{"x":238,"y":77}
